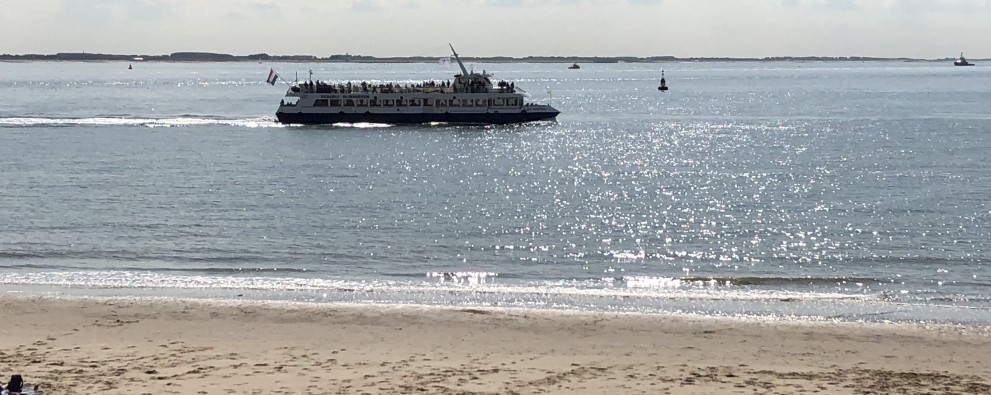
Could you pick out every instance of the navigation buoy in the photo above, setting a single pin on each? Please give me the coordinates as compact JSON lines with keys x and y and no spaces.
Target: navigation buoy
{"x":664,"y":84}
{"x":129,"y":67}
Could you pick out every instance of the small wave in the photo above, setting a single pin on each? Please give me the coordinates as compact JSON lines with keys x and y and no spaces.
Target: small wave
{"x":961,"y":300}
{"x":27,"y":122}
{"x":217,"y":270}
{"x":784,"y":281}
{"x":627,"y":255}
{"x":672,"y":282}
{"x":462,"y":277}
{"x":363,"y":125}
{"x":451,"y":285}
{"x":357,"y":125}
{"x":20,"y":255}
{"x":24,"y":259}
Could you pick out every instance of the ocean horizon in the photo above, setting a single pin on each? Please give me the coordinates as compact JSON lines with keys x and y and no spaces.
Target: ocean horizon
{"x":219,"y":57}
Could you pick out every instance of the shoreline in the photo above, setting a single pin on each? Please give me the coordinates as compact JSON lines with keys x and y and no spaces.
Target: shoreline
{"x":111,"y":345}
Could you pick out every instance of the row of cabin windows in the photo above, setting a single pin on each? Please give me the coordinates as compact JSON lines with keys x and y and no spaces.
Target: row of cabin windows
{"x":416,"y":102}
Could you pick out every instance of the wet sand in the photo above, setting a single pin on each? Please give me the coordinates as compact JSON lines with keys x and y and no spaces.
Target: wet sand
{"x":113,"y":346}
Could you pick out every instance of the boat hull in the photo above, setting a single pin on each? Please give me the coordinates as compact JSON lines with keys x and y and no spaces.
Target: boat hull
{"x":962,"y":64}
{"x":415,"y":118}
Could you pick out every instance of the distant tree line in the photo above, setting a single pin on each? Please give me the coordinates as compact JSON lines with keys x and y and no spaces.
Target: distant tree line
{"x":222,"y":57}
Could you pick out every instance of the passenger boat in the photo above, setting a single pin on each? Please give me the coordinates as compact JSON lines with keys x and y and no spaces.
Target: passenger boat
{"x":470,"y":98}
{"x":574,"y":66}
{"x":962,"y":61}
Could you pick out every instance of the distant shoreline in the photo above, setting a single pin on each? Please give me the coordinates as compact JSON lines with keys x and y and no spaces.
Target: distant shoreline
{"x":347,"y":58}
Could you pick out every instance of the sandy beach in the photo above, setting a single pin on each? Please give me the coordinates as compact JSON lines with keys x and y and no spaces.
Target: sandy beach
{"x":113,"y":346}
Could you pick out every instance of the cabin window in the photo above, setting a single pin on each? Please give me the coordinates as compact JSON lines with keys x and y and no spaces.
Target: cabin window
{"x":320,"y":103}
{"x":374,"y":102}
{"x":388,"y":102}
{"x":400,"y":103}
{"x":334,"y":102}
{"x":454,"y":103}
{"x":500,"y":102}
{"x":428,"y":102}
{"x":348,"y":102}
{"x":414,"y":102}
{"x":362,"y":103}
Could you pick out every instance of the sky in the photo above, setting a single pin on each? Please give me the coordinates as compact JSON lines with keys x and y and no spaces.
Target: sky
{"x":926,"y":29}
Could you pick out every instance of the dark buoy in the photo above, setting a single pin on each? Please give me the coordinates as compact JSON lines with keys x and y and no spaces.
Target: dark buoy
{"x":664,"y":84}
{"x":129,"y":67}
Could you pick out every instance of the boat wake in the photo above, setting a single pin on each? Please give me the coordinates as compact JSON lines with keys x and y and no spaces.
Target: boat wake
{"x":27,"y":122}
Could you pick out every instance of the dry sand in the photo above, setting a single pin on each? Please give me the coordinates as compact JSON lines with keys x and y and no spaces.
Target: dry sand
{"x":186,"y":347}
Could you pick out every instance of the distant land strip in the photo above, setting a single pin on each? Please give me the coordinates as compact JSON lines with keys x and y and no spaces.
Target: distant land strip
{"x":261,"y":57}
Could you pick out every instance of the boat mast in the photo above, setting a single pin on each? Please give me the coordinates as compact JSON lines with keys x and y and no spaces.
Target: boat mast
{"x":464,"y":71}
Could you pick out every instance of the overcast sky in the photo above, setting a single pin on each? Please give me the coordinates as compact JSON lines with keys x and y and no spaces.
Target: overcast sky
{"x":684,"y":28}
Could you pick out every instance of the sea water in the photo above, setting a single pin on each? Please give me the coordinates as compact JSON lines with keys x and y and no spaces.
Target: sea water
{"x":799,"y":190}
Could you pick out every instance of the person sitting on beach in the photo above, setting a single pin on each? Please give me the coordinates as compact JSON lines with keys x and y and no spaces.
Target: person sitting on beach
{"x":15,"y":384}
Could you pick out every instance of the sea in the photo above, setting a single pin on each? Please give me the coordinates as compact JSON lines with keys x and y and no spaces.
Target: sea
{"x":805,"y":191}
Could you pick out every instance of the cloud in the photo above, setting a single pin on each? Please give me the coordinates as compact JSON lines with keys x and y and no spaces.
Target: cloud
{"x":828,"y":4}
{"x":267,"y":10}
{"x":900,"y":5}
{"x":942,"y":5}
{"x":146,"y":10}
{"x":365,"y":6}
{"x":100,"y":13}
{"x":840,"y":5}
{"x":236,"y":17}
{"x":503,"y":3}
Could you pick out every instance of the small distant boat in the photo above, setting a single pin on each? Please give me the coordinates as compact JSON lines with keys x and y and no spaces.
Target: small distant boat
{"x":574,"y":66}
{"x":962,"y":61}
{"x":664,"y":84}
{"x":129,"y":67}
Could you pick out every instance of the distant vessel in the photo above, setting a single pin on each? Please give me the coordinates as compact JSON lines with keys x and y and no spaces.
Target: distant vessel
{"x":129,"y":67}
{"x":574,"y":66}
{"x":470,"y":98}
{"x":664,"y":84}
{"x":962,"y":61}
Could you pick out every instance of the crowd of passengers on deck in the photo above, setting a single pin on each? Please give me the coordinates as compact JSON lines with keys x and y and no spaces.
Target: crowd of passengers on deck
{"x":423,"y":87}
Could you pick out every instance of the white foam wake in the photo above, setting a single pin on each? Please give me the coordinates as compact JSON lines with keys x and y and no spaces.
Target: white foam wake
{"x":145,"y":122}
